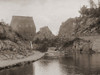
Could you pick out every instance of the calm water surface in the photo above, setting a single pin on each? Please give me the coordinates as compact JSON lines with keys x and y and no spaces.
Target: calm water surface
{"x":82,"y":64}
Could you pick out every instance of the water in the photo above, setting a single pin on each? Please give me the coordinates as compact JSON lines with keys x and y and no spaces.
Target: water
{"x":82,"y":64}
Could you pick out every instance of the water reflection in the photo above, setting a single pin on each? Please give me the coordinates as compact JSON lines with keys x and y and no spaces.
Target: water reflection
{"x":23,"y":70}
{"x":81,"y":64}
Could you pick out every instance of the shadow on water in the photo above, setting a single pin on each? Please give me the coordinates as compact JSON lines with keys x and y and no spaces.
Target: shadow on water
{"x":22,"y":70}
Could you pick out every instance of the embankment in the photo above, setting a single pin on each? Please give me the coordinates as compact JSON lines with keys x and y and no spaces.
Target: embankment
{"x":5,"y":64}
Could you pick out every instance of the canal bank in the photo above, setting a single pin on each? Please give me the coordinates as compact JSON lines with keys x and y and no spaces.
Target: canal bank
{"x":5,"y":64}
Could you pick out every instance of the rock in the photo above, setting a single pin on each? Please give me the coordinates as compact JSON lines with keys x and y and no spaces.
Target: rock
{"x":67,"y":28}
{"x":77,"y":45}
{"x":44,"y":33}
{"x":24,"y":26}
{"x":87,"y":26}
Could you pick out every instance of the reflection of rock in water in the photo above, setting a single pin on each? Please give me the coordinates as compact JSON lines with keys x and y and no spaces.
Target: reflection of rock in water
{"x":45,"y":61}
{"x":68,"y":66}
{"x":23,"y":70}
{"x":87,"y":65}
{"x":82,"y":65}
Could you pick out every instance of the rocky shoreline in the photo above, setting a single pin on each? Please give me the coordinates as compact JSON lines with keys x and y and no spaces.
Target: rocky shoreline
{"x":6,"y":64}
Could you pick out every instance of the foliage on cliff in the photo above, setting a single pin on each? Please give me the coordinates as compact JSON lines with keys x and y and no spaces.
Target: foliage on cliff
{"x":89,"y":22}
{"x":11,"y":41}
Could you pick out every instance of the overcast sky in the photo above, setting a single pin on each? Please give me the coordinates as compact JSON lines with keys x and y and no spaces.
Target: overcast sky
{"x":49,"y":13}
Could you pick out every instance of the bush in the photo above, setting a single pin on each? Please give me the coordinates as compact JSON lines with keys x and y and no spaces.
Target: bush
{"x":84,"y":11}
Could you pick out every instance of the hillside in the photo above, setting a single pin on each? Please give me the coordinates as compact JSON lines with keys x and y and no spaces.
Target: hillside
{"x":11,"y":44}
{"x":87,"y":24}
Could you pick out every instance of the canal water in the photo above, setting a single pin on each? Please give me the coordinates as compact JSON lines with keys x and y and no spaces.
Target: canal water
{"x":82,"y":64}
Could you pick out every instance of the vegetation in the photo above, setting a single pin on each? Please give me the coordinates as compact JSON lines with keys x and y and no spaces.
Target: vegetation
{"x":87,"y":24}
{"x":89,"y":21}
{"x":11,"y":43}
{"x":44,"y":44}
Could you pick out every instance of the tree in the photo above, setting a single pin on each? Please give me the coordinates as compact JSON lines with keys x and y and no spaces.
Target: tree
{"x":84,"y":11}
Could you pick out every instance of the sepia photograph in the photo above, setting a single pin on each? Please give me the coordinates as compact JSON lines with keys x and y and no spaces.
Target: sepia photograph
{"x":49,"y":37}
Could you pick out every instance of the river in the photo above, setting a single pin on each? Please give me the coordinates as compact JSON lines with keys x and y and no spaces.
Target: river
{"x":82,"y":64}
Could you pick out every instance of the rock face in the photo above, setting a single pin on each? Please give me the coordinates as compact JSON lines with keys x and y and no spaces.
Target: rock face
{"x":6,"y":32}
{"x":67,"y":28}
{"x":10,"y":42}
{"x":44,"y":33}
{"x":77,"y":45}
{"x":24,"y":26}
{"x":87,"y":26}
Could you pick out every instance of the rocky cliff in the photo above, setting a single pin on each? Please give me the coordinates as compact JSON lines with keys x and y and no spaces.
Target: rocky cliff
{"x":24,"y":26}
{"x":44,"y":33}
{"x":87,"y":26}
{"x":67,"y":28}
{"x":11,"y":45}
{"x":77,"y":45}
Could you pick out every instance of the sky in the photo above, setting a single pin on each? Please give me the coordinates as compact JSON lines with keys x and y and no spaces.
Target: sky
{"x":49,"y":13}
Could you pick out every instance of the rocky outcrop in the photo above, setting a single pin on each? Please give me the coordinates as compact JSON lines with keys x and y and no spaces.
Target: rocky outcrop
{"x":6,"y":32}
{"x":24,"y":26}
{"x":80,"y":26}
{"x":87,"y":26}
{"x":44,"y":33}
{"x":77,"y":45}
{"x":67,"y":28}
{"x":11,"y":43}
